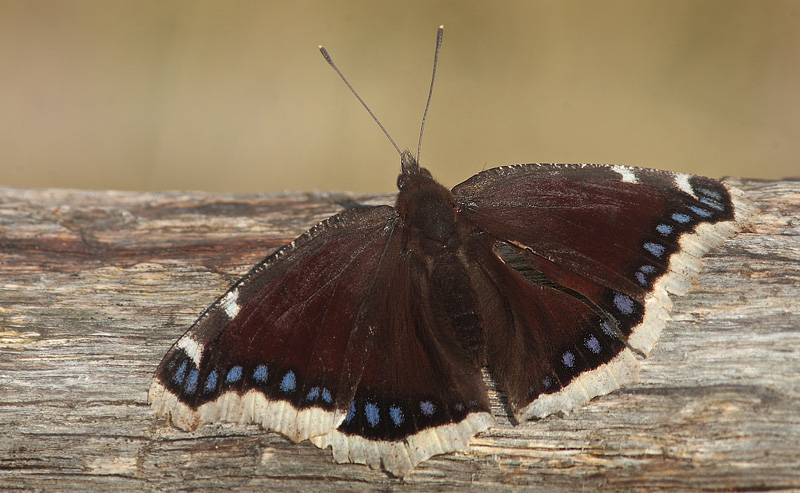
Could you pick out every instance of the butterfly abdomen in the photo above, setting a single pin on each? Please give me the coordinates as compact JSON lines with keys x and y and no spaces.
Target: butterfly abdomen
{"x":455,"y":302}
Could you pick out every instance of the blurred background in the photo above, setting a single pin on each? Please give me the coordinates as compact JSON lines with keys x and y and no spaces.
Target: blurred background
{"x":234,"y":97}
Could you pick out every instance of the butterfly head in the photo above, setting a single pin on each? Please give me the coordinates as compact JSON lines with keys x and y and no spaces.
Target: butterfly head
{"x":411,"y":171}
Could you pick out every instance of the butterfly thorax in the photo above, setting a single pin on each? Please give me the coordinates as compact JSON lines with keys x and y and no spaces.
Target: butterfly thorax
{"x":428,"y":211}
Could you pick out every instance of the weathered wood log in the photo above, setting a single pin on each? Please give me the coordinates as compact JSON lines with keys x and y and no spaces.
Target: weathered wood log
{"x":96,"y":286}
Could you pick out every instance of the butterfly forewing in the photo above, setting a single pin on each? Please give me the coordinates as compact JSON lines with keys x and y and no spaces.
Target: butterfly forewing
{"x":622,"y":237}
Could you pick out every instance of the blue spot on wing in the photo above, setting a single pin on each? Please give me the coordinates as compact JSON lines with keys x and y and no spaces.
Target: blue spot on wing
{"x":326,"y":396}
{"x":654,"y":248}
{"x":260,"y":374}
{"x":641,"y":274}
{"x":593,"y":344}
{"x":700,"y":211}
{"x":313,"y":394}
{"x":397,"y":415}
{"x":180,"y":374}
{"x":289,"y":382}
{"x":372,"y":414}
{"x":664,"y":229}
{"x":711,"y":193}
{"x":427,"y":408}
{"x":190,"y":385}
{"x":712,"y":203}
{"x":681,"y":218}
{"x":234,"y":374}
{"x":211,"y":382}
{"x":624,"y":303}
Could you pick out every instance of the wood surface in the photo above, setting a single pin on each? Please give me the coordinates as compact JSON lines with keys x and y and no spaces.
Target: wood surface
{"x":96,"y":286}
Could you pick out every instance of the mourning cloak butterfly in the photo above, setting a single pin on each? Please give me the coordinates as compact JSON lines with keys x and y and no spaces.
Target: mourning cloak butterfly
{"x":369,"y":333}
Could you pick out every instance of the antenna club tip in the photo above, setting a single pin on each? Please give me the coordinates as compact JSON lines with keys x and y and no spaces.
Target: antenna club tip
{"x":325,"y":54}
{"x":441,"y":27}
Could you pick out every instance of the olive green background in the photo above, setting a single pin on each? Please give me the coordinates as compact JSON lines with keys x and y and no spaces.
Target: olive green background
{"x":233,"y":96}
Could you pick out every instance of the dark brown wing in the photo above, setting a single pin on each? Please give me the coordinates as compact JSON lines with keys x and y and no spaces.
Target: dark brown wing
{"x":584,"y":257}
{"x":332,"y":338}
{"x":421,"y":392}
{"x":274,"y":349}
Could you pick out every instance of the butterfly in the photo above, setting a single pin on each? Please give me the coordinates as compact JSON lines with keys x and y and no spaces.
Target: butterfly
{"x":370,"y":333}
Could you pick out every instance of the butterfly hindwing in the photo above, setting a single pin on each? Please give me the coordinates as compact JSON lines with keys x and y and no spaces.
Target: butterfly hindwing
{"x":547,"y":348}
{"x":421,"y":392}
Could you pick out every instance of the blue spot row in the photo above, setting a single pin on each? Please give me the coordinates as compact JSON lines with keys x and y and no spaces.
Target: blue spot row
{"x":711,"y":194}
{"x":710,"y":198}
{"x":319,"y":393}
{"x":372,"y":412}
{"x":665,"y":229}
{"x":713,"y":204}
{"x":188,"y":377}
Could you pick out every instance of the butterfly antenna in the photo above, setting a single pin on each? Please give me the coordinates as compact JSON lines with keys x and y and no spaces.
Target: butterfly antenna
{"x":330,"y":62}
{"x":439,"y":35}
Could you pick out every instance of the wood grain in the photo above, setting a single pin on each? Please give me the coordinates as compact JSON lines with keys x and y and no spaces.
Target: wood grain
{"x":95,"y":287}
